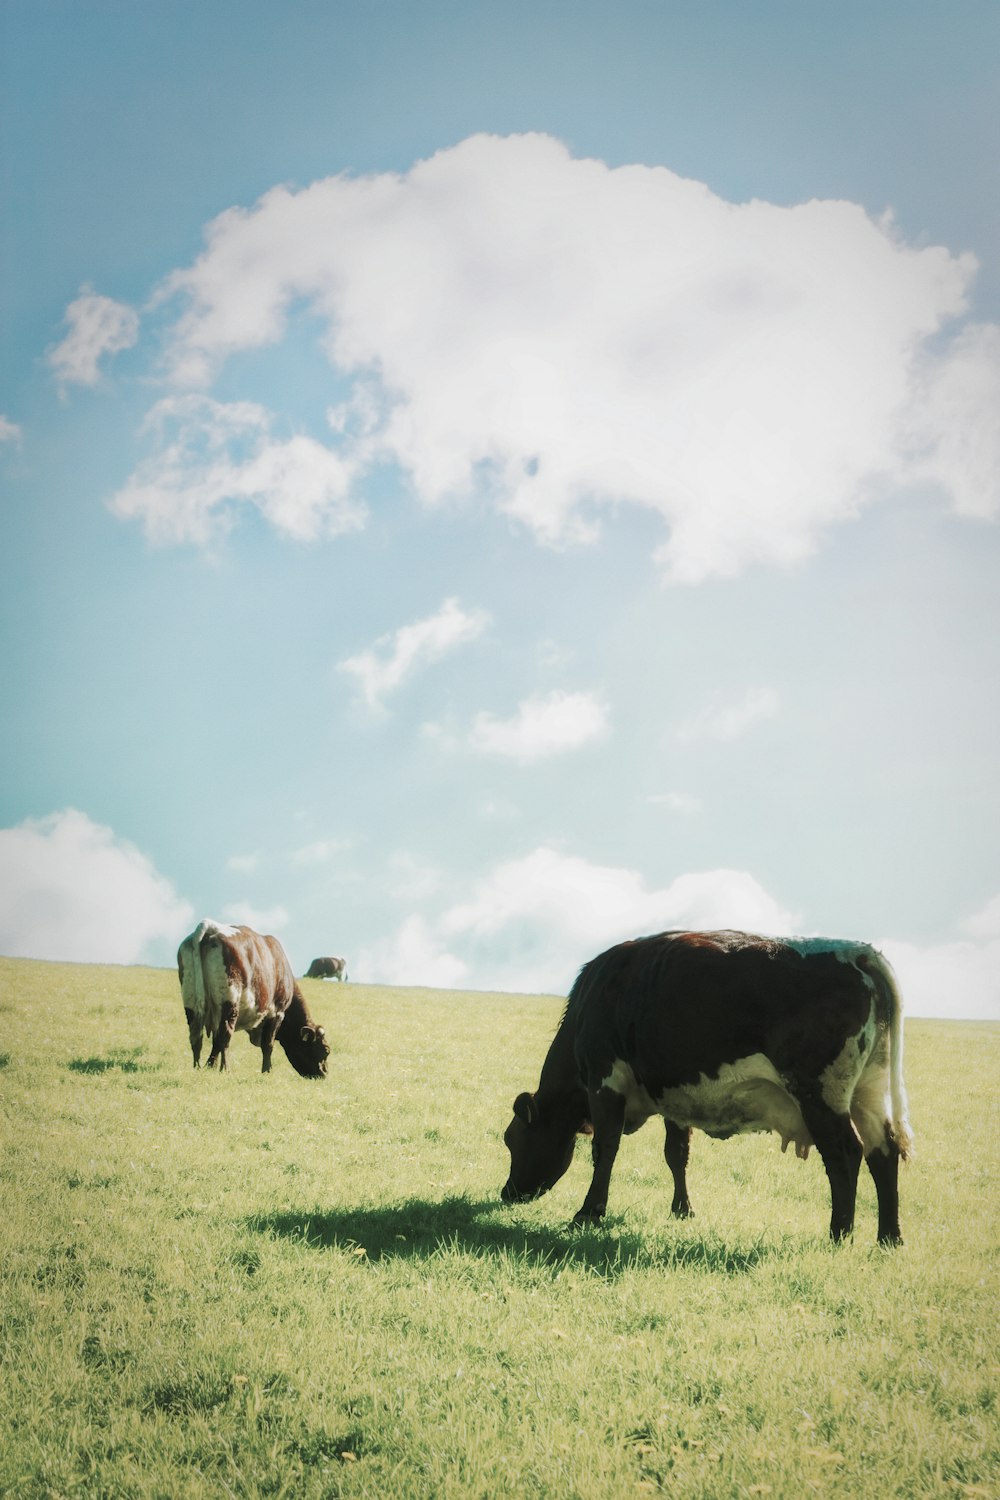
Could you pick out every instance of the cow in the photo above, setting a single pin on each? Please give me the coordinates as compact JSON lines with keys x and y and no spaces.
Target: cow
{"x":235,"y":979}
{"x":327,"y":968}
{"x":727,"y":1032}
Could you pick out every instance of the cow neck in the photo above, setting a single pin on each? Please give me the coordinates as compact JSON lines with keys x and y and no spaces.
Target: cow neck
{"x":560,"y":1072}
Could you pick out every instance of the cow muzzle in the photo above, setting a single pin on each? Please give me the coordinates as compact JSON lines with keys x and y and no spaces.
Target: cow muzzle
{"x":511,"y":1194}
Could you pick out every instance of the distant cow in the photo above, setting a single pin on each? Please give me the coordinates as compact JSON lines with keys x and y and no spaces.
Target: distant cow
{"x":327,"y":968}
{"x":234,"y":979}
{"x":730,"y":1033}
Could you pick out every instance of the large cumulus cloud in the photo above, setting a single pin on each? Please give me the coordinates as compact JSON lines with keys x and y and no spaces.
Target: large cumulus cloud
{"x":551,"y":335}
{"x":75,"y":891}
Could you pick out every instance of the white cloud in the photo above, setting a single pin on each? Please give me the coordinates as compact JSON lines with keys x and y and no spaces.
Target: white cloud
{"x":722,"y":720}
{"x":269,"y":919}
{"x":414,"y":955}
{"x":74,"y":891}
{"x":319,"y":852}
{"x":955,"y":421}
{"x":97,"y":326}
{"x":10,"y":432}
{"x":545,"y":724}
{"x":549,"y":334}
{"x":498,"y":810}
{"x":411,"y":879}
{"x":384,"y":667}
{"x":984,"y":923}
{"x":243,"y":864}
{"x":211,"y":457}
{"x":529,"y":923}
{"x":959,"y":980}
{"x":684,"y":803}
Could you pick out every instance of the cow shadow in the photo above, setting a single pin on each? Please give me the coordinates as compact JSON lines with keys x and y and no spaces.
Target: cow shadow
{"x":418,"y":1229}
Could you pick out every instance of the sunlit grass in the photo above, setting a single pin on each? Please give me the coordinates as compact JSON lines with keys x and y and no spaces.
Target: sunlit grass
{"x":269,"y":1286}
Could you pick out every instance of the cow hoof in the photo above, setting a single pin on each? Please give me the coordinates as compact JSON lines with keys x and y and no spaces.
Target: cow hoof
{"x":588,"y":1216}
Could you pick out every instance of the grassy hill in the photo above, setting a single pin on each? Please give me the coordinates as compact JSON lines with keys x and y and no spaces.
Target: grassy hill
{"x":266,"y":1286}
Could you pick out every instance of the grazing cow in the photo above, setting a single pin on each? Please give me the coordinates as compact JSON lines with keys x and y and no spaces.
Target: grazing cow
{"x":234,"y":979}
{"x":730,"y":1033}
{"x":327,"y":968}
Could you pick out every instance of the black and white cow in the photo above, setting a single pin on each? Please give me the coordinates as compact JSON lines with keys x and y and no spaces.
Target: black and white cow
{"x":235,"y":979}
{"x":327,"y":968}
{"x":730,"y":1033}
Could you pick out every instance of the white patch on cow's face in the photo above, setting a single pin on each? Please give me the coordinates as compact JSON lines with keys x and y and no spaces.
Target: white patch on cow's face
{"x":745,"y":1096}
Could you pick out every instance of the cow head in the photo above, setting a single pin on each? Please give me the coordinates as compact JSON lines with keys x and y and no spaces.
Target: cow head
{"x":310,"y":1055}
{"x":540,"y":1139}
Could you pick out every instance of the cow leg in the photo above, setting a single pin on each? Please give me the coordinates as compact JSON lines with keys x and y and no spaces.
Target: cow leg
{"x":607,"y":1114}
{"x":838,"y":1144}
{"x":676,"y":1149}
{"x":196,"y":1032}
{"x":265,"y":1033}
{"x":223,"y":1036}
{"x":884,"y":1167}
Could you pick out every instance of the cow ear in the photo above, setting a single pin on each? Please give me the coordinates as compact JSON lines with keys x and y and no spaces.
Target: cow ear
{"x":307,"y":1033}
{"x":526,"y":1109}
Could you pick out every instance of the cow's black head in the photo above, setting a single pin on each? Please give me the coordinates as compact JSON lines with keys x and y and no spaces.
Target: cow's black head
{"x":540,"y":1139}
{"x":308,"y":1052}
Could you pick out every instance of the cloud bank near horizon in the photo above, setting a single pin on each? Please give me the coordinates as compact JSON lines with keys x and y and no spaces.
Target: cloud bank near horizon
{"x":529,"y":924}
{"x":550,"y":335}
{"x":77,"y":892}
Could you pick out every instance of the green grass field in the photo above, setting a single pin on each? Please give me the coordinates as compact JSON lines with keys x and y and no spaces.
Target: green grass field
{"x":253,"y":1286}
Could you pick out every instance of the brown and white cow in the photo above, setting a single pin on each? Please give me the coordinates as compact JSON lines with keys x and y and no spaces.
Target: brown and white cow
{"x":730,"y":1033}
{"x":327,"y":968}
{"x":235,"y":979}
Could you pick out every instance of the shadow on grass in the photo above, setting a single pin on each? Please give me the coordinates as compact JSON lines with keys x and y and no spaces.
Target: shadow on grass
{"x":417,"y":1229}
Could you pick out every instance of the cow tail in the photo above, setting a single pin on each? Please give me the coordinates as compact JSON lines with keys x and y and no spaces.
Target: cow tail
{"x":203,"y":930}
{"x":900,"y":1118}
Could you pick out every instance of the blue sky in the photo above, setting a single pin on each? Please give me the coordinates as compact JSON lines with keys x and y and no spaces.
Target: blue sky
{"x":483,"y":482}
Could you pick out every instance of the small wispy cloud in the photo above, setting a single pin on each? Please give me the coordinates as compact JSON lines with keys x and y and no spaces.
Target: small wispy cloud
{"x":412,"y":879}
{"x":984,"y":923}
{"x":260,"y":918}
{"x":98,"y":326}
{"x":10,"y":432}
{"x":677,"y":802}
{"x":545,"y":724}
{"x":722,"y":719}
{"x":319,"y":852}
{"x":210,"y":457}
{"x":243,"y":864}
{"x":385,"y":666}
